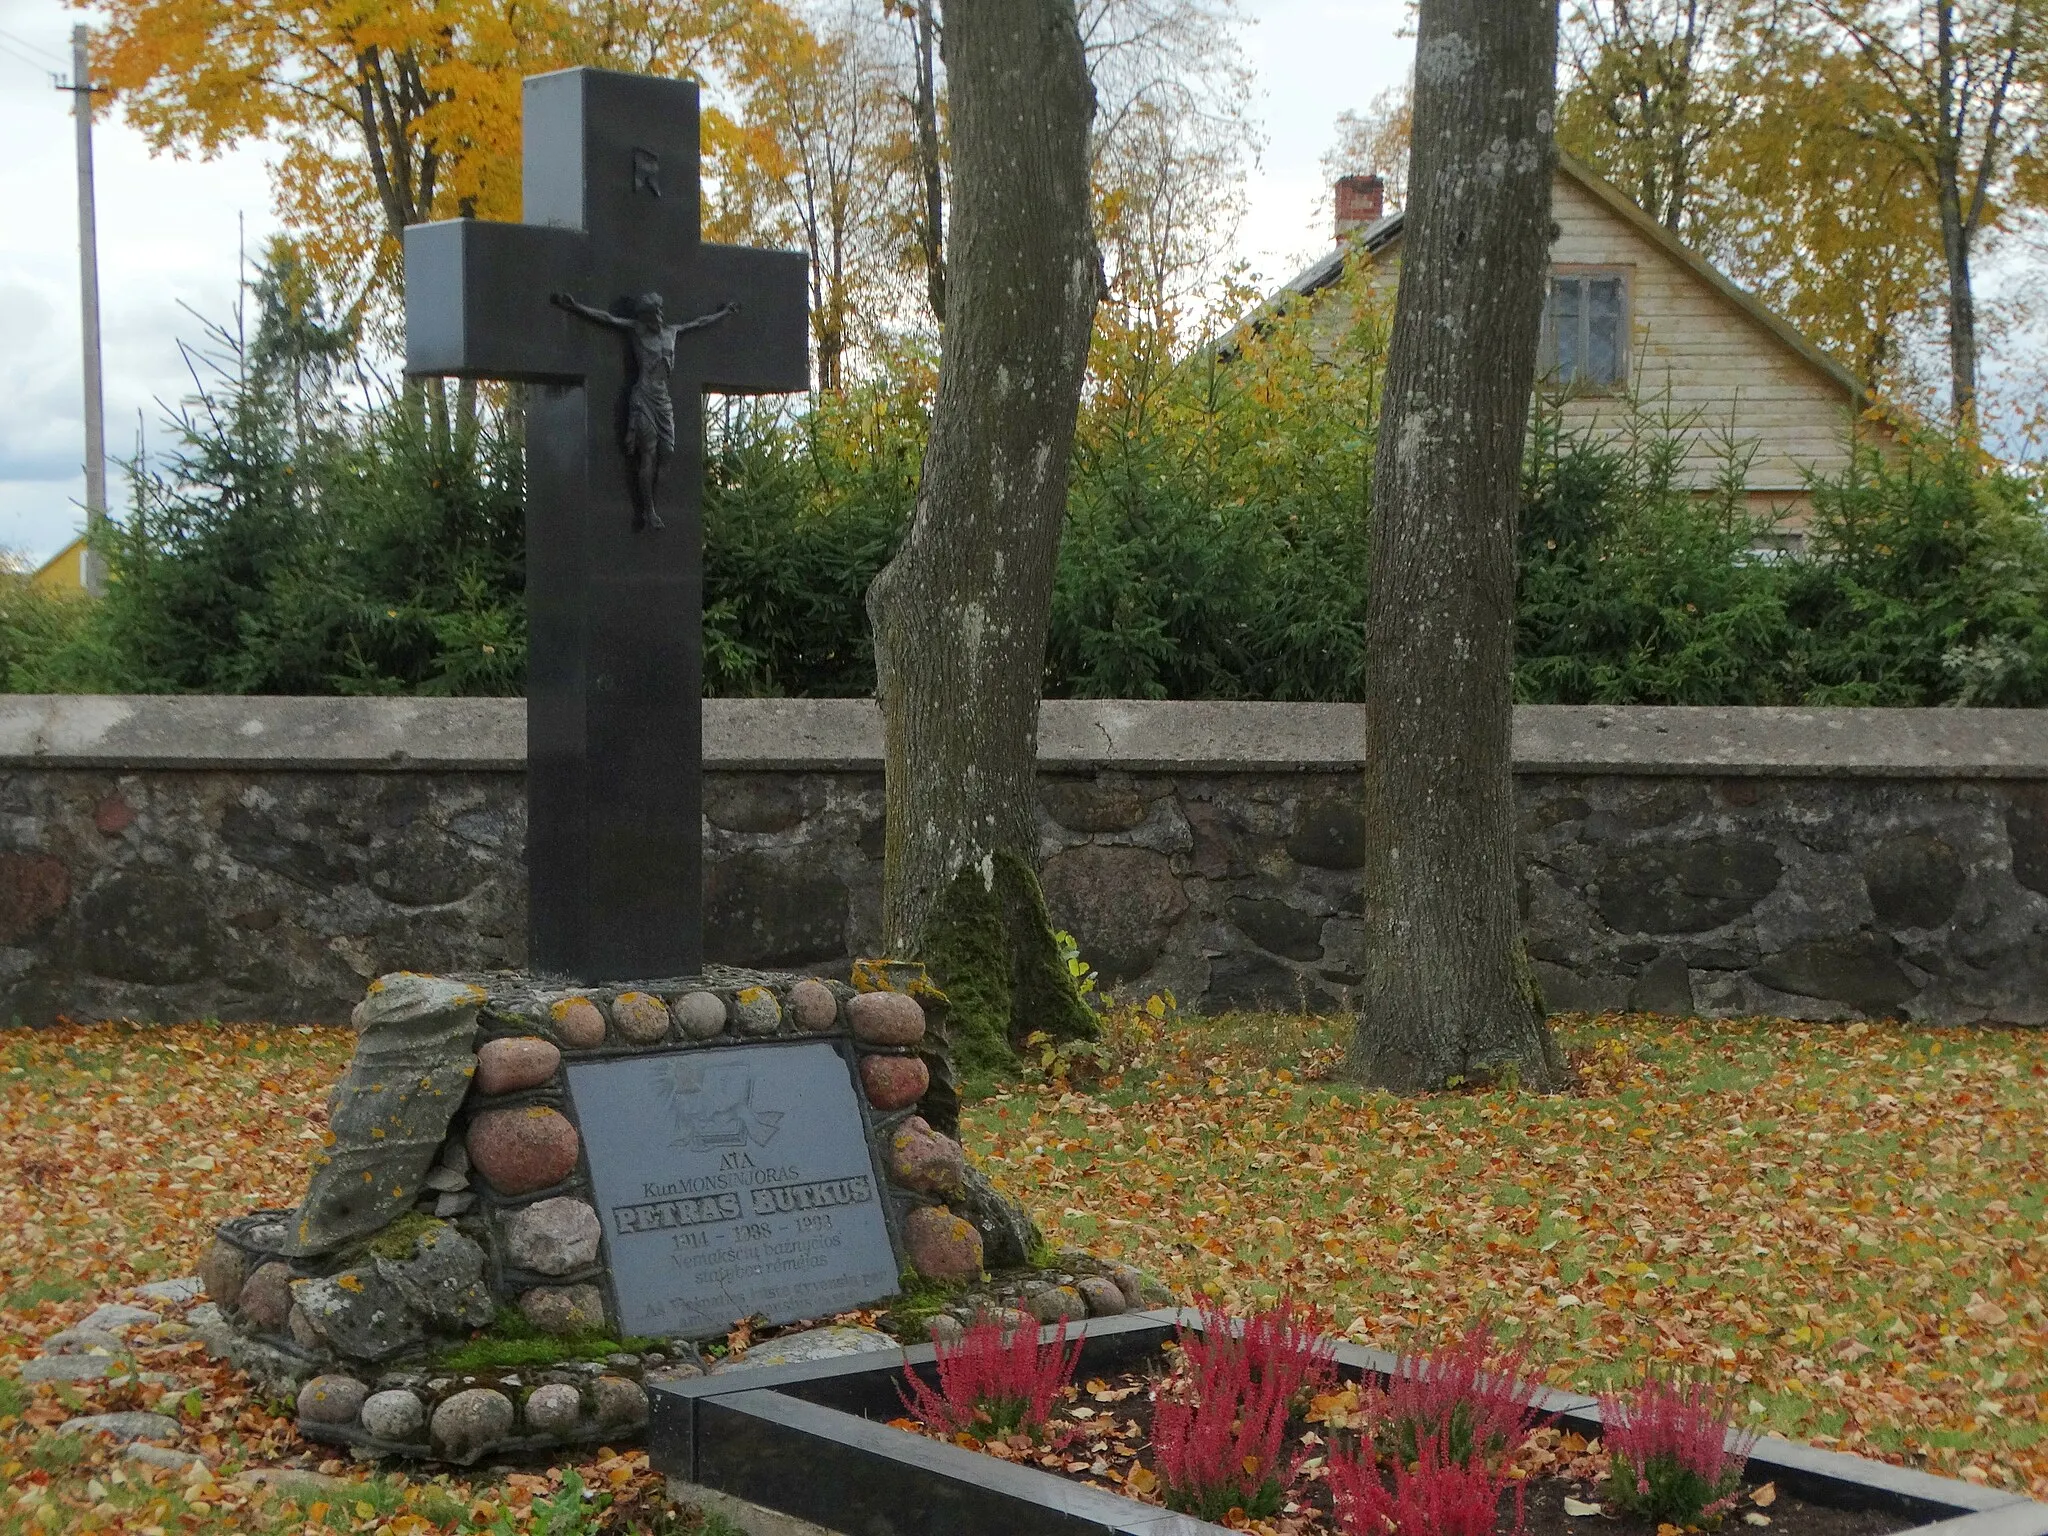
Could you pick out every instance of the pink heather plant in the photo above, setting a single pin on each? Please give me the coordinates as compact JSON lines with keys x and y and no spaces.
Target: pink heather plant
{"x":1468,"y":1398}
{"x":1217,"y":1433}
{"x":1433,"y":1498}
{"x":1286,"y":1344}
{"x":1218,"y":1430}
{"x":1676,"y":1456}
{"x":992,"y":1384}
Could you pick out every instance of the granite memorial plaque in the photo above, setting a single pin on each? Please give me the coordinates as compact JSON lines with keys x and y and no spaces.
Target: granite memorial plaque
{"x":732,"y":1183}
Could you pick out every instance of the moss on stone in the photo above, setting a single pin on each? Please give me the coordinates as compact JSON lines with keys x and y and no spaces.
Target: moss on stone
{"x":910,"y":1315}
{"x":507,"y":1354}
{"x":396,"y":1241}
{"x":1042,"y":995}
{"x":511,"y":1341}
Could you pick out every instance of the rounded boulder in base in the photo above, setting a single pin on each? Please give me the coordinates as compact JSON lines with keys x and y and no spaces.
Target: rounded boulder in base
{"x":1104,"y":1297}
{"x":757,"y":1011}
{"x":1131,"y":1283}
{"x":922,"y":1159}
{"x":885,"y":1018}
{"x":395,"y":1415}
{"x":941,"y":1246}
{"x":579,"y":1023}
{"x":563,"y":1310}
{"x":223,"y":1272}
{"x":554,"y":1409}
{"x":506,"y":1066}
{"x":331,"y":1400}
{"x":1056,"y":1304}
{"x":618,"y":1403}
{"x":522,"y":1150}
{"x":266,"y":1298}
{"x":700,"y":1015}
{"x":812,"y":1006}
{"x":470,"y":1423}
{"x":640,"y":1018}
{"x":894,"y":1081}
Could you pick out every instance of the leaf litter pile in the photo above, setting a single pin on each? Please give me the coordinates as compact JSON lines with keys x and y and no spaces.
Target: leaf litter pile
{"x":1848,"y":1221}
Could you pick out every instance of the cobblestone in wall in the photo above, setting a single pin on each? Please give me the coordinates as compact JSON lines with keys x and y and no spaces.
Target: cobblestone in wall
{"x":273,"y":894}
{"x":249,"y":894}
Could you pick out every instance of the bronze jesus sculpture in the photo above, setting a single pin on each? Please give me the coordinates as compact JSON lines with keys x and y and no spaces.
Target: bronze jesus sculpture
{"x":650,"y":412}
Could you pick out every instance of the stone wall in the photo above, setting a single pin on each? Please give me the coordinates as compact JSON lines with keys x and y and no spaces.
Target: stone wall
{"x":260,"y":858}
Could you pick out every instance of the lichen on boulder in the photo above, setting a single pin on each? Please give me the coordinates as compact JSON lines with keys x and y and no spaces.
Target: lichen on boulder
{"x":441,"y":1279}
{"x":358,"y":1314}
{"x":415,"y":1054}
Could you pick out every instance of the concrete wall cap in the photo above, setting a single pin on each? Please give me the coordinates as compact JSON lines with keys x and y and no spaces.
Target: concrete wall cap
{"x":184,"y":731}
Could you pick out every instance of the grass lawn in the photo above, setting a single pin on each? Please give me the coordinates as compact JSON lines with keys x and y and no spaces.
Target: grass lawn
{"x":1849,"y":1219}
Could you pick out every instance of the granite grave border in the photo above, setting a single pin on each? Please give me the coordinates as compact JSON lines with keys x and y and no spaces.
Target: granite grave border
{"x":740,"y":1434}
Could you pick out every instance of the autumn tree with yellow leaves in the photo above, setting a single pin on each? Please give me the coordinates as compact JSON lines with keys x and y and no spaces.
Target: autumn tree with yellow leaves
{"x":826,"y":131}
{"x":388,"y":112}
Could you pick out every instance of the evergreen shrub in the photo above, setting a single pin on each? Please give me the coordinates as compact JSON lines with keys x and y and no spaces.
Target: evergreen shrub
{"x":314,"y":532}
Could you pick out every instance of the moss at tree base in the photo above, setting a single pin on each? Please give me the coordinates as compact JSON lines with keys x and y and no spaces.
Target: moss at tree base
{"x":968,"y":954}
{"x":989,"y":946}
{"x":1042,"y":995}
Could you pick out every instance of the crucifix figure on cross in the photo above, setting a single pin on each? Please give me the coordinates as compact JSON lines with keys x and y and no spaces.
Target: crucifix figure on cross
{"x":614,"y":731}
{"x":650,"y":414}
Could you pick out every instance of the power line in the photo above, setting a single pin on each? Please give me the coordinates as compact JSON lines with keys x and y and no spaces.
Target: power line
{"x":48,"y":58}
{"x":37,"y":65}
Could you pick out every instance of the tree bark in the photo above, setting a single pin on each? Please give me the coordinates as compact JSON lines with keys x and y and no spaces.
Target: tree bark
{"x":931,"y":228}
{"x":960,"y":614}
{"x":1959,"y":228}
{"x":1962,"y":302}
{"x":1447,"y":995}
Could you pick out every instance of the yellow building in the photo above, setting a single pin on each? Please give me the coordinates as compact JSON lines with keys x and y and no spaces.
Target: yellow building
{"x":64,"y":571}
{"x":1634,"y":312}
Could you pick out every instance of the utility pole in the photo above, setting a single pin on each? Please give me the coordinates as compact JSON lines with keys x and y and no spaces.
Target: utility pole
{"x":93,"y":567}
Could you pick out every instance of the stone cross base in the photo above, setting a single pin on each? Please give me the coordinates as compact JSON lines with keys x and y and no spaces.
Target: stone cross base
{"x":452,"y":1202}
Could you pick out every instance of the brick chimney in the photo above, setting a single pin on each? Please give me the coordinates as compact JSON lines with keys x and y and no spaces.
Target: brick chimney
{"x":1361,"y":200}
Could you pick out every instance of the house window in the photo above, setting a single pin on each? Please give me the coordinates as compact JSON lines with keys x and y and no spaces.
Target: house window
{"x":1585,"y":329}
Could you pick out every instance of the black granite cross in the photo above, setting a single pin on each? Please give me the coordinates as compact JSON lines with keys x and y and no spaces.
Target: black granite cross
{"x":614,"y":597}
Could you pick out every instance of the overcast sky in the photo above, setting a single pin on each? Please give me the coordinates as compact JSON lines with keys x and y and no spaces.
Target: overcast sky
{"x":168,"y":236}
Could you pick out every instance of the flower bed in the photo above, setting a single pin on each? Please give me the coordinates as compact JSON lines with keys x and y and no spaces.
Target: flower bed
{"x":818,"y":1442}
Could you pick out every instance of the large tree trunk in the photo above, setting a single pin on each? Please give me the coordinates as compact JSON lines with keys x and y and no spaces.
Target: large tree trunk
{"x":960,"y":615}
{"x":1447,"y":994}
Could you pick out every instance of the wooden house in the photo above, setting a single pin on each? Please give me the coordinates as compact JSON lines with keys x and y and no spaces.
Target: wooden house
{"x":1636,"y":324}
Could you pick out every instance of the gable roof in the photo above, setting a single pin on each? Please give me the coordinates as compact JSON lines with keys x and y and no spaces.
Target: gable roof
{"x":1378,"y":236}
